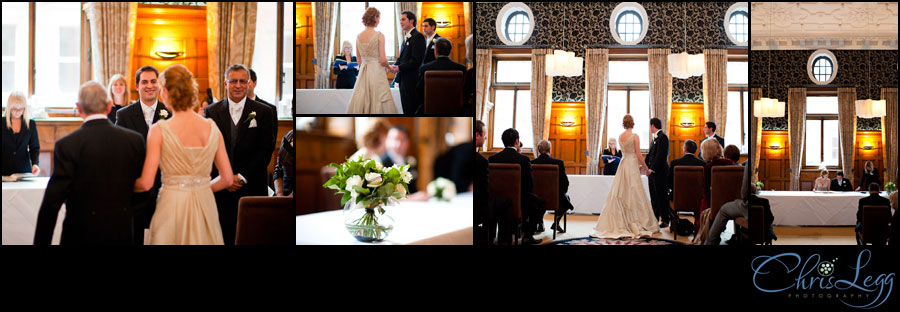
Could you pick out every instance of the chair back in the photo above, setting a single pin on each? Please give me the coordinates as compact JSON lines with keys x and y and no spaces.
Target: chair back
{"x":443,"y":91}
{"x":331,"y":199}
{"x":725,"y":186}
{"x":875,"y":221}
{"x":687,"y":188}
{"x":264,"y":220}
{"x":546,"y":184}
{"x":756,"y":224}
{"x":506,"y":181}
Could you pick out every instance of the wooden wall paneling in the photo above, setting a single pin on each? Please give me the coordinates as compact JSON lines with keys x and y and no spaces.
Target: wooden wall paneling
{"x":692,"y":112}
{"x":774,"y":164}
{"x":304,"y":46}
{"x":319,"y":149}
{"x":861,"y":155}
{"x":176,"y":27}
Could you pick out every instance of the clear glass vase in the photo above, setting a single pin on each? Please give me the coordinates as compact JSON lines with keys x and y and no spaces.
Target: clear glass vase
{"x":369,"y":224}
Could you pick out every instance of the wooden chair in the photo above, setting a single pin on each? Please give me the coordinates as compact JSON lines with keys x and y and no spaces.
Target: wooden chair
{"x":331,"y":199}
{"x":265,"y":220}
{"x":546,"y":186}
{"x":687,"y":192}
{"x":875,"y":229}
{"x":754,"y":223}
{"x":443,"y":91}
{"x":725,"y":186}
{"x":505,"y":180}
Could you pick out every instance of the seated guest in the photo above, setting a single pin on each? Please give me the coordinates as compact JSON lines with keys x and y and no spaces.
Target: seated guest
{"x":688,"y":148}
{"x":442,"y":47}
{"x":346,"y":76}
{"x":769,"y":218}
{"x":822,"y":182}
{"x":733,"y":152}
{"x":531,"y":212}
{"x":544,"y":148}
{"x":869,"y":176}
{"x":731,"y":210}
{"x":469,"y":84}
{"x":283,"y":177}
{"x":610,"y":167}
{"x":119,"y":94}
{"x":874,"y":199}
{"x":21,"y":146}
{"x":839,"y":184}
{"x":712,"y":154}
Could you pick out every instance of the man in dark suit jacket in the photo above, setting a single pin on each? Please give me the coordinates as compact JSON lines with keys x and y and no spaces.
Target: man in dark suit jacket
{"x":839,"y":184}
{"x":136,"y":117}
{"x":443,"y":62}
{"x":97,"y":189}
{"x":246,"y":128}
{"x":656,"y":161}
{"x":429,"y":28}
{"x":530,"y":210}
{"x":252,"y":95}
{"x":874,"y":199}
{"x":407,"y":65}
{"x":544,"y":148}
{"x":709,"y":129}
{"x":689,"y":148}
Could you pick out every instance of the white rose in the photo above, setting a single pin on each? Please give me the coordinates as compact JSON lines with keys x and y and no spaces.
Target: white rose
{"x":354,"y":180}
{"x":400,"y":189}
{"x":379,"y":166}
{"x":374,"y":179}
{"x":406,"y":177}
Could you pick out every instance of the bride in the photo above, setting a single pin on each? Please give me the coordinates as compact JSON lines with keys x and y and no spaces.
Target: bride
{"x":627,"y":212}
{"x":184,"y":147}
{"x":371,"y":94}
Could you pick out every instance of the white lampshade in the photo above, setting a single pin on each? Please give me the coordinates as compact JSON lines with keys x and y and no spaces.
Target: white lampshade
{"x":562,"y":63}
{"x":870,"y":108}
{"x":766,"y":107}
{"x":683,"y":65}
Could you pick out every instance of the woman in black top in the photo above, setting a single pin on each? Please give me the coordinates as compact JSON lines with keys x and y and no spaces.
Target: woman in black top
{"x":346,"y":78}
{"x":21,"y":146}
{"x":611,"y":168}
{"x":284,"y":166}
{"x":119,"y":94}
{"x":869,"y":175}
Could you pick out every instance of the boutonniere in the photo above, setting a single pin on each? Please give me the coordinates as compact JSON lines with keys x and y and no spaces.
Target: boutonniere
{"x":409,"y":35}
{"x":251,"y":116}
{"x":163,"y":114}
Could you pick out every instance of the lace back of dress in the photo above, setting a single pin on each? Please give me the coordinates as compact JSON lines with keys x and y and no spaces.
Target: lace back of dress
{"x":368,"y":50}
{"x":628,"y":145}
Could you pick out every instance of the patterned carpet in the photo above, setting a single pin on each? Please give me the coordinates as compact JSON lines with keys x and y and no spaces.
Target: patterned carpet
{"x":625,"y":241}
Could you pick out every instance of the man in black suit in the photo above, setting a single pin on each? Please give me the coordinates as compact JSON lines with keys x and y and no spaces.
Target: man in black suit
{"x":531,"y":213}
{"x":709,"y":129}
{"x":429,"y":27}
{"x":97,"y":189}
{"x":407,"y":65}
{"x":396,"y":147}
{"x":658,"y":169}
{"x":252,"y":95}
{"x":246,"y":127}
{"x":443,"y":62}
{"x":839,"y":184}
{"x":874,"y":199}
{"x":689,"y":148}
{"x":139,"y":116}
{"x":544,"y":148}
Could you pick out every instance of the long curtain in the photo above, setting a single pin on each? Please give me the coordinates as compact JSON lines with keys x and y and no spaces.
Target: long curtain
{"x":482,"y":80}
{"x":406,"y":6}
{"x":756,"y":133}
{"x":660,"y":86}
{"x":541,"y":85}
{"x":325,"y":17}
{"x":231,"y":34}
{"x":715,"y":87}
{"x":110,"y":24}
{"x":796,"y":131}
{"x":889,"y":134}
{"x":847,"y":120}
{"x":596,"y":76}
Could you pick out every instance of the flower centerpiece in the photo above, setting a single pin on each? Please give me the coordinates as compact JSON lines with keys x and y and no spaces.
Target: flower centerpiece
{"x":442,"y":189}
{"x":890,"y":187}
{"x":759,"y":187}
{"x":368,"y":189}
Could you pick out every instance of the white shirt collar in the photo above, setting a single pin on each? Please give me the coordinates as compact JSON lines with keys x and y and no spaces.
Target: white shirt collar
{"x":144,"y":107}
{"x":239,"y":104}
{"x":94,"y":117}
{"x":712,"y":136}
{"x":409,"y":32}
{"x":432,"y":36}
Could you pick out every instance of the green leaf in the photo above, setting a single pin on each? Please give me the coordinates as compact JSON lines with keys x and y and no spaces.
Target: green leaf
{"x":345,"y":198}
{"x":360,"y":190}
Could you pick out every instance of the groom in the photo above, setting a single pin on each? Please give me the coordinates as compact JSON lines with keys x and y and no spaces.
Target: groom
{"x":407,"y":65}
{"x":658,"y":168}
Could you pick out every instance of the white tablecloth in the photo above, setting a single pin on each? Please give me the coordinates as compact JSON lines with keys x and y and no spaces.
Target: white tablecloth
{"x":21,"y":202}
{"x":413,"y":222}
{"x":331,"y":101}
{"x":588,"y":192}
{"x":808,"y":208}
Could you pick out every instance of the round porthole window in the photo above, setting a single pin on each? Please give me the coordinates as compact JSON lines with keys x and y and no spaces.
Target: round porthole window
{"x":628,"y":23}
{"x":737,"y":23}
{"x":515,"y":23}
{"x":822,"y":67}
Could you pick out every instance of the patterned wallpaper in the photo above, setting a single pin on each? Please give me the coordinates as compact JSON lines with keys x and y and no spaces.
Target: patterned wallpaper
{"x":572,"y":25}
{"x":788,"y":68}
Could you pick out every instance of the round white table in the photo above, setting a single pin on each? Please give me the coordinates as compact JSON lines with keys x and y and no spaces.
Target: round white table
{"x":431,"y":222}
{"x":815,"y":209}
{"x":332,"y":101}
{"x":21,"y":202}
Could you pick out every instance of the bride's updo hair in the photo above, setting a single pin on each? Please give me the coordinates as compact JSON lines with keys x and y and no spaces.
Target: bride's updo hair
{"x":368,"y":18}
{"x":628,"y":122}
{"x":182,"y":88}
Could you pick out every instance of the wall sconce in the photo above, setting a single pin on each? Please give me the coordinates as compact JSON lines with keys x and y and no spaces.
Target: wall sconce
{"x":167,"y":48}
{"x":443,"y":24}
{"x":686,"y":124}
{"x":774,"y":147}
{"x":567,"y":124}
{"x":868,"y":146}
{"x":168,"y":55}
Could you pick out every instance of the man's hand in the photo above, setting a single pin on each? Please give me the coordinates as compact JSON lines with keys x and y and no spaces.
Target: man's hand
{"x":235,"y":185}
{"x":35,"y":169}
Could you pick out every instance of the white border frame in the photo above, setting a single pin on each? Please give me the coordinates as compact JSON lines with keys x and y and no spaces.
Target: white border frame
{"x":809,"y":63}
{"x":739,"y":6}
{"x":615,"y":14}
{"x":508,"y":10}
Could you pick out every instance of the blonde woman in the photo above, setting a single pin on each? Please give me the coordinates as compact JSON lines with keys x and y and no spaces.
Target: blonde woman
{"x":119,"y":94}
{"x":346,"y":75}
{"x":823,"y":183}
{"x":372,"y":142}
{"x":21,"y":146}
{"x":869,"y":176}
